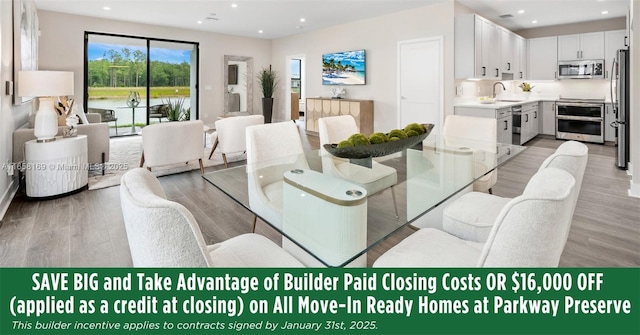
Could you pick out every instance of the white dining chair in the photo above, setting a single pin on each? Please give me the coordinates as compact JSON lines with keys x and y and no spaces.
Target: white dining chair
{"x":163,"y":233}
{"x":375,"y":179}
{"x":272,"y":150}
{"x":171,"y":143}
{"x":231,"y":134}
{"x":529,"y":231}
{"x":471,"y":216}
{"x":480,"y":135}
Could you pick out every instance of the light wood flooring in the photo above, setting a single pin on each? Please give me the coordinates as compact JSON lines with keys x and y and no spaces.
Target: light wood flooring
{"x":86,"y":229}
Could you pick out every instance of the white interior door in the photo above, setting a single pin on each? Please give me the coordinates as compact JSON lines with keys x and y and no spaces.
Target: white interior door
{"x":420,"y":82}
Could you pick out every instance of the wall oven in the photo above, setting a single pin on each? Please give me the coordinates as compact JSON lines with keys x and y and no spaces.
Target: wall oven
{"x":580,"y":119}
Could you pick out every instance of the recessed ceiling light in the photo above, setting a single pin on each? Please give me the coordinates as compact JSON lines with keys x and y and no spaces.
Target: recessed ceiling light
{"x":234,"y":5}
{"x":302,"y":19}
{"x":521,"y":11}
{"x":106,"y":8}
{"x":605,"y":12}
{"x":534,"y":21}
{"x":199,"y":22}
{"x":260,"y":31}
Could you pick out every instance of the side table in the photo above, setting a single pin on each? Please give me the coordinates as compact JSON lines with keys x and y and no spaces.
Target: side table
{"x":57,"y":167}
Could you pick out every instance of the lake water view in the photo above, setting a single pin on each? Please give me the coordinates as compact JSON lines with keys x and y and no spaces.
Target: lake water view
{"x":124,"y":113}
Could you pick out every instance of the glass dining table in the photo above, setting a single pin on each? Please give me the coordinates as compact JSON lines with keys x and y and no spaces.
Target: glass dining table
{"x":326,"y":220}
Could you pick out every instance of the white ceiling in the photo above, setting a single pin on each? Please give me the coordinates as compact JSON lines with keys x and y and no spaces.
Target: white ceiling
{"x":546,"y":12}
{"x":278,"y":18}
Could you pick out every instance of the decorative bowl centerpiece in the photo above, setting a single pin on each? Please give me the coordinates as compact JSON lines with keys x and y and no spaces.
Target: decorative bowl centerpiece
{"x":380,"y":149}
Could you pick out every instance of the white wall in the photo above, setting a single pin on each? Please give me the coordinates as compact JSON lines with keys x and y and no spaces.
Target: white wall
{"x":11,"y":117}
{"x":62,"y":45}
{"x":379,"y":37}
{"x":634,"y":189}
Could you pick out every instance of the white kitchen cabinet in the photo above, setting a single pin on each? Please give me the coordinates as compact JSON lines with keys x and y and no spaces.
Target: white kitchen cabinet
{"x":510,"y":52}
{"x":477,"y":43}
{"x":529,"y":122}
{"x":542,"y":58}
{"x":504,"y":122}
{"x":521,"y":62}
{"x":581,"y":46}
{"x":610,"y":133}
{"x":613,"y":41}
{"x":548,"y":117}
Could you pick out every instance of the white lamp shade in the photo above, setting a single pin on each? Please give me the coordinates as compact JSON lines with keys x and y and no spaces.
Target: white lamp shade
{"x":45,"y":83}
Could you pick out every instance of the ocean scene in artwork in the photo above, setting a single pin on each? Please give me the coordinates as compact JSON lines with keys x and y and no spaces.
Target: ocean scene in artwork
{"x":343,"y":68}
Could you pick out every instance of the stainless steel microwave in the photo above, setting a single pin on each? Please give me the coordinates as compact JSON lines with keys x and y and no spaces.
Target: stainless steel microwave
{"x":581,"y":69}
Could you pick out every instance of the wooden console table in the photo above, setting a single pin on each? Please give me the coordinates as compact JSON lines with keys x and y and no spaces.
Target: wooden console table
{"x":361,"y":110}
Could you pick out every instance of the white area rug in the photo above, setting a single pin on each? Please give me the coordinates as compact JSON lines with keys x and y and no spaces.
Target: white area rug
{"x":125,"y":153}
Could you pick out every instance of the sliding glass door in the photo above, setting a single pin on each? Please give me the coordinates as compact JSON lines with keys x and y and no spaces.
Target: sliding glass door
{"x":134,"y":81}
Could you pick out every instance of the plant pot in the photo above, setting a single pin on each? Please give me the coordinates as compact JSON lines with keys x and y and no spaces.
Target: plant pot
{"x":267,"y":109}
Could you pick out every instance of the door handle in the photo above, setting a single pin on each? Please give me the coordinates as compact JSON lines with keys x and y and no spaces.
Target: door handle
{"x":625,"y":41}
{"x":578,"y":54}
{"x":506,"y":125}
{"x":484,"y":71}
{"x":535,"y":114}
{"x":527,"y":118}
{"x":520,"y":74}
{"x":497,"y":71}
{"x":508,"y":66}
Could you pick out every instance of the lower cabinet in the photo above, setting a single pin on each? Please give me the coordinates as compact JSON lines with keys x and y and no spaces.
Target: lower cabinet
{"x":504,"y":122}
{"x":361,"y":110}
{"x":548,"y":117}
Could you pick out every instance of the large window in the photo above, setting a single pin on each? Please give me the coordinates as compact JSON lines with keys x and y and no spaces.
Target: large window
{"x":135,"y":81}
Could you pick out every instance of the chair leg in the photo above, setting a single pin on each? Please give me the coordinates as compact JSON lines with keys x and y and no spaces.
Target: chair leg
{"x":103,"y":163}
{"x":224,"y":158}
{"x":490,"y":191}
{"x":116,"y":128}
{"x":253,"y":227}
{"x":201,"y":166}
{"x":142,"y":159}
{"x":395,"y":204}
{"x":149,"y":168}
{"x":215,"y":145}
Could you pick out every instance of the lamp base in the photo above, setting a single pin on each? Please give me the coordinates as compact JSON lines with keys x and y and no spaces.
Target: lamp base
{"x":46,"y":123}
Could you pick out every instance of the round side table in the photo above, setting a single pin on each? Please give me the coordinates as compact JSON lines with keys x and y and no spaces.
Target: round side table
{"x":57,"y":167}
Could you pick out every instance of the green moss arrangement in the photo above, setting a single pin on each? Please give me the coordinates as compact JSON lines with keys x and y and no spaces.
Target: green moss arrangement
{"x":345,"y":144}
{"x":420,"y":129}
{"x":359,"y":139}
{"x":411,"y":133}
{"x":399,"y":133}
{"x":377,"y":139}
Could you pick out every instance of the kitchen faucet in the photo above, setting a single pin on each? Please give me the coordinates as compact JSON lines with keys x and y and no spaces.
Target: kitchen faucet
{"x":494,"y":88}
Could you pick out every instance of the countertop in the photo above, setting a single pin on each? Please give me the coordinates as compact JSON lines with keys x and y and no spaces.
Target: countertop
{"x":475,"y":103}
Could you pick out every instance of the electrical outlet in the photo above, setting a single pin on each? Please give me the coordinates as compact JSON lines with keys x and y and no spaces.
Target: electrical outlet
{"x":459,"y":91}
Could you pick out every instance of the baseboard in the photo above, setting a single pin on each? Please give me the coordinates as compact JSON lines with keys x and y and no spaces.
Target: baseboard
{"x":8,"y":195}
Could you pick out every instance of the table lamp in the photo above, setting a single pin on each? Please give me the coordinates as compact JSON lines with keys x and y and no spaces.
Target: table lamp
{"x":46,"y":85}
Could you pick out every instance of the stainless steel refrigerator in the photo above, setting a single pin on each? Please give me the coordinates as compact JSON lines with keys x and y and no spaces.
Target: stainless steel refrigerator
{"x":620,"y":98}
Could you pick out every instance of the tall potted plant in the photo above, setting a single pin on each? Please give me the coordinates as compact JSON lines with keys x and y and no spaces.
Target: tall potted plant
{"x":268,"y":81}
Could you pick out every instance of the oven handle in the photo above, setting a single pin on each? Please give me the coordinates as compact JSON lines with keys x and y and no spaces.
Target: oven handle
{"x":581,"y":104}
{"x":579,"y":118}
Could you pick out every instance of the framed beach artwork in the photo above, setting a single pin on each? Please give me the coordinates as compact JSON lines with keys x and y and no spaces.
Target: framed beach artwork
{"x":25,"y":42}
{"x":344,"y":68}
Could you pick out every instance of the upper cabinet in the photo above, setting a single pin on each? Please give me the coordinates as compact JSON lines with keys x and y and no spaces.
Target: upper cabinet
{"x":614,"y":40}
{"x":543,"y":58}
{"x":521,"y":62}
{"x":581,"y":46}
{"x":479,"y":49}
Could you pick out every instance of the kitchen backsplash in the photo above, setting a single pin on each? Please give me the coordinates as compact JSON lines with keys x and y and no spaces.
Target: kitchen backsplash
{"x":568,"y":88}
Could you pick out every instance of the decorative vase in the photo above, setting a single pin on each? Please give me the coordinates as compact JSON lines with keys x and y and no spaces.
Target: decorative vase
{"x":267,"y":109}
{"x":133,"y":100}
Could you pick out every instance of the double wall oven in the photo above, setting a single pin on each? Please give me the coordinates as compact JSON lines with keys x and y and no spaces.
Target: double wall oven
{"x":580,"y":119}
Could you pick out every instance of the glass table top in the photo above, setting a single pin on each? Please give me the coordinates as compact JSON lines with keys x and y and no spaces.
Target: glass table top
{"x":322,"y":204}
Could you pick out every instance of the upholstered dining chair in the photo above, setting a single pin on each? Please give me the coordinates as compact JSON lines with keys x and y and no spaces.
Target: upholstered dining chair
{"x":472,"y":215}
{"x":480,"y":135}
{"x":231,"y":134}
{"x":376,"y":179}
{"x":163,"y":233}
{"x":529,"y":232}
{"x":272,"y":150}
{"x":171,"y":143}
